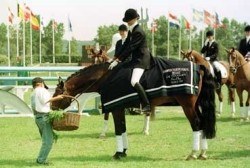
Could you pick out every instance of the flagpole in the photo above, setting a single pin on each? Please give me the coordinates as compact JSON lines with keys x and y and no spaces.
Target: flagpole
{"x":17,"y":41}
{"x":190,"y":40}
{"x":203,"y":31}
{"x":24,"y":63}
{"x":53,"y":38}
{"x":152,"y":44}
{"x":168,"y":38}
{"x":31,"y":55}
{"x":40,"y":43}
{"x":8,"y":34}
{"x":69,"y":52}
{"x":180,"y":44}
{"x":214,"y":33}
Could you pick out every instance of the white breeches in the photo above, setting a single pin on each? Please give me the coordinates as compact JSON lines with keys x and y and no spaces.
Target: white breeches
{"x":136,"y":76}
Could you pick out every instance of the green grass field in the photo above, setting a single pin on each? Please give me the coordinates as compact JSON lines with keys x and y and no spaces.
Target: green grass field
{"x":167,"y":145}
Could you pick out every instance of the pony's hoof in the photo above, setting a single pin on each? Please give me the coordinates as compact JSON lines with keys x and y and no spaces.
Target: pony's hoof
{"x":102,"y":136}
{"x":202,"y":157}
{"x":145,"y":132}
{"x":218,"y":114}
{"x":191,"y":157}
{"x":119,"y":155}
{"x":233,"y":115}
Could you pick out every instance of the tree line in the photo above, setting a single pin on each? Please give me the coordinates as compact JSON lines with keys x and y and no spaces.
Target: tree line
{"x":227,"y":36}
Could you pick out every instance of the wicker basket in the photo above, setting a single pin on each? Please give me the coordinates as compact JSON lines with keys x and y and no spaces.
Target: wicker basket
{"x":70,"y":120}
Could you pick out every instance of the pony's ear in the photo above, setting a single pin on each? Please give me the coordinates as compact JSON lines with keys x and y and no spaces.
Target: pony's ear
{"x":60,"y":81}
{"x":228,"y":51}
{"x":182,"y":52}
{"x":92,"y":51}
{"x":101,"y":51}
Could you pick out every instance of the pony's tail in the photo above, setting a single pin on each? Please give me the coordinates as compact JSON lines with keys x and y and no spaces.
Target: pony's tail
{"x":206,"y":101}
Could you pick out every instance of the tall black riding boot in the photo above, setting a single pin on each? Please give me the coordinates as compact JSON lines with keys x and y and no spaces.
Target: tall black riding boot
{"x":143,"y":96}
{"x":218,"y":78}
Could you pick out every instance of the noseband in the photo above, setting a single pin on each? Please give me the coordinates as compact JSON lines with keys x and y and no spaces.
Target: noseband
{"x":234,"y":68}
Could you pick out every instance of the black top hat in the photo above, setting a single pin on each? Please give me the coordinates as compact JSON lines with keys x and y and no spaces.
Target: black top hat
{"x":130,"y":14}
{"x":123,"y":27}
{"x":209,"y":33}
{"x":38,"y":80}
{"x":247,"y":28}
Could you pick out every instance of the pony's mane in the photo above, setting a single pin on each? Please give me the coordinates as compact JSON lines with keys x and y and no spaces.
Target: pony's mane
{"x":86,"y":69}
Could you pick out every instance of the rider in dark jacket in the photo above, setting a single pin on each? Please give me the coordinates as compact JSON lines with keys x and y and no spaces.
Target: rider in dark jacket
{"x":210,"y":51}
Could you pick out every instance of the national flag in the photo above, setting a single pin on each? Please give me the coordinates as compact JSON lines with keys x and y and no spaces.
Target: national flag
{"x":217,"y":22}
{"x":23,"y":13}
{"x":184,"y":23}
{"x":34,"y":22}
{"x":173,"y":21}
{"x":209,"y":19}
{"x":197,"y":16}
{"x":154,"y":26}
{"x":11,"y":16}
{"x":69,"y":25}
{"x":27,"y":12}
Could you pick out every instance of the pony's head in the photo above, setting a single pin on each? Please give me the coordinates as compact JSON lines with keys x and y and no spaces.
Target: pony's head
{"x":187,"y":55}
{"x":63,"y":103}
{"x":99,"y":57}
{"x":85,"y":80}
{"x":235,"y":59}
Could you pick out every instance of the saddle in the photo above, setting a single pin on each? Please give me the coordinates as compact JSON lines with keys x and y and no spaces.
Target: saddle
{"x":219,"y":67}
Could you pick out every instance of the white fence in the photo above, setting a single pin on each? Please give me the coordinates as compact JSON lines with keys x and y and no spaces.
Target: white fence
{"x":21,"y":90}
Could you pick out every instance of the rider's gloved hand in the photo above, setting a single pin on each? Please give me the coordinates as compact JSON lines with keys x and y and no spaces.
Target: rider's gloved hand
{"x":113,"y":64}
{"x":207,"y":58}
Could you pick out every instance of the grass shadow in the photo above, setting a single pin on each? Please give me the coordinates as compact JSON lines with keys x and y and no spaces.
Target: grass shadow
{"x":228,"y":155}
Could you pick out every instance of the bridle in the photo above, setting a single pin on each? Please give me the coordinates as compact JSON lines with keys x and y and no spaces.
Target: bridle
{"x":64,"y":91}
{"x":189,"y":56}
{"x":237,"y":64}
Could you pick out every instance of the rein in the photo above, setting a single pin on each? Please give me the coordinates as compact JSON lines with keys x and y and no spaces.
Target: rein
{"x":92,"y":84}
{"x":235,"y":68}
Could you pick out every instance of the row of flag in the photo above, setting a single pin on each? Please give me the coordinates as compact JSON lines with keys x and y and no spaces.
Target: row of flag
{"x":25,"y":14}
{"x":204,"y":16}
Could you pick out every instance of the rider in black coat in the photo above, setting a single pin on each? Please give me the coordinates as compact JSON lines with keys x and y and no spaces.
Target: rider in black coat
{"x":136,"y":47}
{"x":244,"y":46}
{"x":210,"y":51}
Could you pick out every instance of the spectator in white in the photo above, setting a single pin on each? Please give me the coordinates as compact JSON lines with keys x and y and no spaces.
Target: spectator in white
{"x":210,"y":51}
{"x":40,"y":103}
{"x":115,"y":38}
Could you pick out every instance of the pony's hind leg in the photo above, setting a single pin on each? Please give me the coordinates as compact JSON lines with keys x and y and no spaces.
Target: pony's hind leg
{"x":220,"y":97}
{"x":120,"y":133}
{"x":105,"y":126}
{"x":194,"y":120}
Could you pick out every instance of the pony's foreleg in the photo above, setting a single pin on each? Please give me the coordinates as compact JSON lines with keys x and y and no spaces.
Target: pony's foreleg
{"x":146,"y":124}
{"x":147,"y":119}
{"x":233,"y":109}
{"x":120,"y":132}
{"x":105,"y":125}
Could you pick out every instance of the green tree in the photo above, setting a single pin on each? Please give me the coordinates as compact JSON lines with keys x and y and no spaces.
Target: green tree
{"x":3,"y":39}
{"x":105,"y":33}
